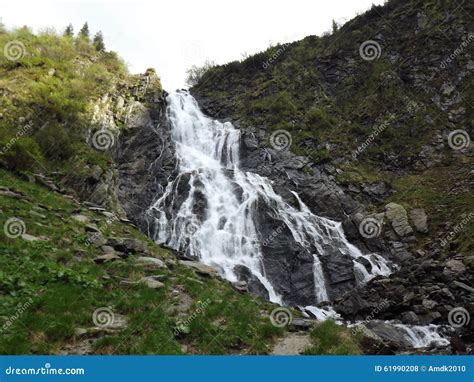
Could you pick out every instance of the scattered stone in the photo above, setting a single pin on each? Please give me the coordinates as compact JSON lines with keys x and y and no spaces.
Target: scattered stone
{"x":410,"y":318}
{"x":200,"y":268}
{"x":128,"y":245}
{"x":455,"y":266}
{"x":81,"y":218}
{"x":152,"y":282}
{"x":37,"y":214}
{"x":301,"y":324}
{"x":419,"y":219}
{"x":96,"y":209}
{"x":461,"y":285}
{"x":46,"y":182}
{"x":7,"y":192}
{"x":107,"y":249}
{"x":428,"y":304}
{"x":240,"y":286}
{"x":91,"y":228}
{"x":28,"y":237}
{"x":194,"y":280}
{"x":106,"y":258}
{"x":150,"y":263}
{"x":398,"y":217}
{"x":96,"y":238}
{"x":420,"y":252}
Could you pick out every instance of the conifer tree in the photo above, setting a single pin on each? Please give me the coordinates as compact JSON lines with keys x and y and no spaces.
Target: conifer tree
{"x":84,"y":32}
{"x":69,"y":32}
{"x":99,"y":42}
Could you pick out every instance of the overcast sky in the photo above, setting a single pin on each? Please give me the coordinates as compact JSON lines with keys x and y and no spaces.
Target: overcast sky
{"x":172,"y":35}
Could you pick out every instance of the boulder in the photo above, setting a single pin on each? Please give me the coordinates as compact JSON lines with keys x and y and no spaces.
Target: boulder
{"x":398,"y":217}
{"x":200,"y":268}
{"x":106,"y":258}
{"x":455,"y":266}
{"x":96,"y":238}
{"x":150,"y":263}
{"x":410,"y":318}
{"x":252,"y":283}
{"x":128,"y":245}
{"x":419,"y":220}
{"x":80,"y":218}
{"x":152,"y":282}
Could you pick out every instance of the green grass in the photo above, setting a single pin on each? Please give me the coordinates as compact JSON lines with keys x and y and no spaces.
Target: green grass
{"x":332,"y":339}
{"x":61,"y":287}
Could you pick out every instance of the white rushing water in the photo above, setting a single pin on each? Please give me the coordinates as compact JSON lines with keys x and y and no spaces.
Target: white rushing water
{"x":423,"y":336}
{"x":225,"y":235}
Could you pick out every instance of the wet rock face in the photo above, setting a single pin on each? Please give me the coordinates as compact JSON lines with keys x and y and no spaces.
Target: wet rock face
{"x":145,"y":160}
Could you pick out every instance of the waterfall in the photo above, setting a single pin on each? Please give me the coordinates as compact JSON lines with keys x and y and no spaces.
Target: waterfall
{"x":209,"y":211}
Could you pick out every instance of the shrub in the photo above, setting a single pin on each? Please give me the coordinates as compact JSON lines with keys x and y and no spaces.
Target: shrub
{"x":54,"y":142}
{"x":20,"y":154}
{"x":319,"y":118}
{"x":195,"y":73}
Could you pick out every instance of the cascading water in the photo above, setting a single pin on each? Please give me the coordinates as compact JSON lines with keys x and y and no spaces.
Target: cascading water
{"x":210,"y":210}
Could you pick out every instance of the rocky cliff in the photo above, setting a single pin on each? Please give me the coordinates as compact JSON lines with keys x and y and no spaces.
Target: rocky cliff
{"x":372,"y":127}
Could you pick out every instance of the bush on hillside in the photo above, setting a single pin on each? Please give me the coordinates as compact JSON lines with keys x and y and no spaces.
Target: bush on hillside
{"x":21,"y":154}
{"x":54,"y":142}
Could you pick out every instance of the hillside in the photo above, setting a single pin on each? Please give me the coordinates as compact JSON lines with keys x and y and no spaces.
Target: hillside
{"x":78,"y":277}
{"x":372,"y":126}
{"x":359,"y":139}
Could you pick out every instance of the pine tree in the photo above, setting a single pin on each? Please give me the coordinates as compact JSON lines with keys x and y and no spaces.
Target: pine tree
{"x":84,"y":32}
{"x":99,"y":42}
{"x":69,"y":32}
{"x":335,"y":26}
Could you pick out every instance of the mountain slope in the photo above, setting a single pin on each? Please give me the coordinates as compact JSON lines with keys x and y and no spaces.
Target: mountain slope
{"x":372,"y":124}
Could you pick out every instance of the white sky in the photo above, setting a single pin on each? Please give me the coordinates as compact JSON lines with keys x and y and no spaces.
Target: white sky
{"x":172,"y":35}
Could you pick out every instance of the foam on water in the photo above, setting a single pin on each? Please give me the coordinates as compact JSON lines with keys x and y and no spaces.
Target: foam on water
{"x":226,"y":235}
